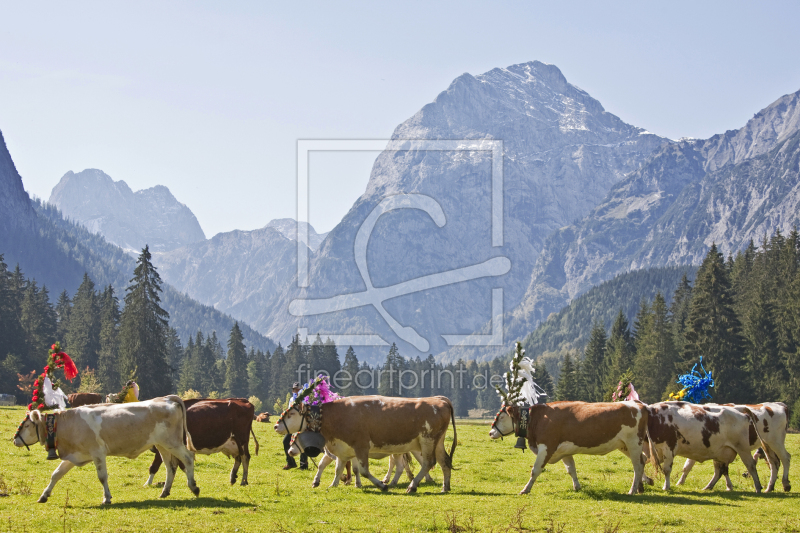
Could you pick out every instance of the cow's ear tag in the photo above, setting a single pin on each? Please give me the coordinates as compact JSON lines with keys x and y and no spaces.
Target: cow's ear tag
{"x":520,"y":444}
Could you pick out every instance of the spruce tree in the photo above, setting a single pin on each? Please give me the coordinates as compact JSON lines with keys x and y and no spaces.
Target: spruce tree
{"x":83,"y":335}
{"x":390,"y":384}
{"x":205,"y":366}
{"x":107,"y":360}
{"x":175,"y":357}
{"x":764,"y":364}
{"x":620,"y":351}
{"x":567,"y":386}
{"x":679,"y":313}
{"x":258,"y":375}
{"x":593,"y":367}
{"x":715,"y":333}
{"x":143,"y":349}
{"x":276,"y":364}
{"x":329,"y":361}
{"x":654,"y":364}
{"x":187,"y":377}
{"x":38,"y":321}
{"x":543,"y":378}
{"x":236,"y":365}
{"x":63,"y":308}
{"x":349,"y":379}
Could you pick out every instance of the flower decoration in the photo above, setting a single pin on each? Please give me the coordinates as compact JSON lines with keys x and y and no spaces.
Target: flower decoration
{"x":513,"y":381}
{"x":55,"y":359}
{"x":695,"y":385}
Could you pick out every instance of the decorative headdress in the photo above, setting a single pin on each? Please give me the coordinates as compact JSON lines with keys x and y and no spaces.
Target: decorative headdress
{"x":47,"y":393}
{"x":315,"y":392}
{"x":695,"y":385}
{"x":513,"y":381}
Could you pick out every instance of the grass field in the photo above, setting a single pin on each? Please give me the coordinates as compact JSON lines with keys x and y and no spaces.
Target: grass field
{"x":484,"y":496}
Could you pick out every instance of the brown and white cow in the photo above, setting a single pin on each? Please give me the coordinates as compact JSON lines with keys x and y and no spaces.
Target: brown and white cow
{"x":558,"y":430}
{"x":773,"y":421}
{"x":94,"y":432}
{"x":263,"y":417}
{"x":701,"y":432}
{"x":358,"y":426}
{"x":218,"y":426}
{"x":397,"y":464}
{"x":77,"y":399}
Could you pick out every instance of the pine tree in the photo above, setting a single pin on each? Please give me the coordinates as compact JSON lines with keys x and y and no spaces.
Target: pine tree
{"x":764,"y":363}
{"x":620,"y":351}
{"x":205,"y":366}
{"x":394,"y":364}
{"x":351,"y":367}
{"x":543,"y":378}
{"x":175,"y":356}
{"x":679,"y":313}
{"x":329,"y":361}
{"x":63,"y":308}
{"x":83,"y":335}
{"x":38,"y":321}
{"x":143,"y":349}
{"x":593,"y":367}
{"x":654,"y":364}
{"x":107,"y":360}
{"x":187,"y":379}
{"x":236,"y":365}
{"x":715,"y":333}
{"x":276,"y":364}
{"x":258,"y":375}
{"x":567,"y":387}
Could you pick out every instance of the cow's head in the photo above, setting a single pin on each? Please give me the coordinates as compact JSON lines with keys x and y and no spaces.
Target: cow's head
{"x":31,"y":431}
{"x":505,"y":422}
{"x":292,"y":419}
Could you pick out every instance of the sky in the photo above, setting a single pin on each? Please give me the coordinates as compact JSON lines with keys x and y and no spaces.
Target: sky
{"x":210,"y":98}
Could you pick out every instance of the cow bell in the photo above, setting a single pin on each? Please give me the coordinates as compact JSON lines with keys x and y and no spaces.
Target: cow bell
{"x":311,"y":443}
{"x":52,"y":455}
{"x":521,"y":444}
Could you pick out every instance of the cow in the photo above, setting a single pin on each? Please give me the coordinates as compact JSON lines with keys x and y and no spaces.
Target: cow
{"x":263,"y":417}
{"x":77,"y":399}
{"x":93,"y":432}
{"x":397,"y":464}
{"x":218,"y":426}
{"x":701,"y":433}
{"x":773,"y":421}
{"x":356,"y":427}
{"x":556,"y":431}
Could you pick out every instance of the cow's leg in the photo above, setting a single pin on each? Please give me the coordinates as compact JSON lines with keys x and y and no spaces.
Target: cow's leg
{"x":349,"y":466}
{"x":774,"y":465}
{"x":325,"y":461}
{"x":156,"y":464}
{"x":362,"y":467}
{"x":542,"y":456}
{"x":785,"y":458}
{"x":340,"y":464}
{"x":245,"y":463}
{"x":187,"y":458}
{"x":666,"y":467}
{"x":750,"y":464}
{"x":102,"y":475}
{"x":170,"y":467}
{"x":428,"y":455}
{"x":720,"y":469}
{"x":237,"y":462}
{"x":569,"y":463}
{"x":58,"y":473}
{"x":687,"y":467}
{"x":392,"y":465}
{"x":400,"y":465}
{"x":418,"y":457}
{"x":638,"y":460}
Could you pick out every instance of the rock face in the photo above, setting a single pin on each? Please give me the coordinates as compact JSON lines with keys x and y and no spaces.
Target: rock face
{"x":562,"y":153}
{"x":238,"y":272}
{"x":15,"y":205}
{"x":128,"y":219}
{"x":728,"y":189}
{"x":288,"y":228}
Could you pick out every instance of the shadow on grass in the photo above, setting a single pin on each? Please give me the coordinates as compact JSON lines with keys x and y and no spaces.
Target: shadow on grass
{"x":698,"y":497}
{"x":168,"y":503}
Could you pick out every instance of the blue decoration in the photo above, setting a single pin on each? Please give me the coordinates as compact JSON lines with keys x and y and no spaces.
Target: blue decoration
{"x":695,"y":385}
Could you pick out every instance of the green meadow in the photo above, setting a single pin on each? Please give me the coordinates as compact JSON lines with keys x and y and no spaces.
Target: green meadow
{"x":485,"y":496}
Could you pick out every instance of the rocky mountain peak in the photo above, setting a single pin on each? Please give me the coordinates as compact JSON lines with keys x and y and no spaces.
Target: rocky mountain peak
{"x":128,"y":219}
{"x":288,"y":228}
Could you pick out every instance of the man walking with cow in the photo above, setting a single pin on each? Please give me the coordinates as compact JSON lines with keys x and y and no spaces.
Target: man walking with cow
{"x":287,"y":442}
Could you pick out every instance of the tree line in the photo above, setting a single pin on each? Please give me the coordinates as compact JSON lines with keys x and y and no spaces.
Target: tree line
{"x":741,"y":315}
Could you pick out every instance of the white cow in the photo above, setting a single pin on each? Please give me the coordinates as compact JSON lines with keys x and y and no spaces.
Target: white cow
{"x":773,"y":421}
{"x":94,"y":432}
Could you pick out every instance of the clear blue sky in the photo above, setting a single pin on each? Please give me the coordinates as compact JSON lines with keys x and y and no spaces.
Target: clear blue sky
{"x":209,"y":98}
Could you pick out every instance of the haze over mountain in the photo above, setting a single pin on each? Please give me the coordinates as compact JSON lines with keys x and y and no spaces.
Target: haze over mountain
{"x":562,"y":153}
{"x":734,"y":187}
{"x":128,"y":219}
{"x":56,"y":252}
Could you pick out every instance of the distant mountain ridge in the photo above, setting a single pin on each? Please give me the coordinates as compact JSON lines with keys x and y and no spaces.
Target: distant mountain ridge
{"x":727,"y":189}
{"x":128,"y":219}
{"x":56,"y":252}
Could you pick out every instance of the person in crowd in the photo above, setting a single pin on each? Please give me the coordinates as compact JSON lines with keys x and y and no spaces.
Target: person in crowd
{"x":290,"y":462}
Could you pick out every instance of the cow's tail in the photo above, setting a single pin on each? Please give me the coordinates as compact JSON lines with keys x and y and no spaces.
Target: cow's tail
{"x":455,"y":436}
{"x":254,"y":438}
{"x":754,"y":421}
{"x":652,"y":455}
{"x":189,"y":443}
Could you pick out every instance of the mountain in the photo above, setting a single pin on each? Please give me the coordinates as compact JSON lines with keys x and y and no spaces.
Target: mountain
{"x":740,"y":185}
{"x":288,"y":228}
{"x":237,"y":272}
{"x":56,"y":252}
{"x":128,"y":219}
{"x":562,"y":153}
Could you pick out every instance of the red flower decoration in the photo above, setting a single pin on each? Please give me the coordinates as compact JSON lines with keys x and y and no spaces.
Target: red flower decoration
{"x":47,"y":368}
{"x":53,"y":347}
{"x":41,"y":406}
{"x":30,"y":406}
{"x":35,"y":382}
